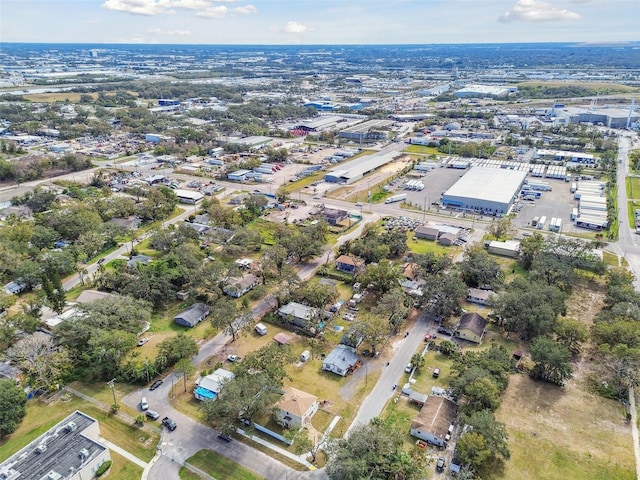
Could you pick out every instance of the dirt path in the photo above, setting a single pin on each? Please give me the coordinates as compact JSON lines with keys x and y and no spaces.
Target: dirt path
{"x":634,"y":429}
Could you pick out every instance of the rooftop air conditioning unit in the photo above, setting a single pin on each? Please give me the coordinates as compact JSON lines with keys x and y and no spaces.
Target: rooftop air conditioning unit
{"x":84,"y":453}
{"x":71,"y":426}
{"x":41,"y":448}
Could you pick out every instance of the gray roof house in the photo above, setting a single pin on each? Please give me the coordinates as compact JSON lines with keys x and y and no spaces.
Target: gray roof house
{"x":139,"y":260}
{"x":479,"y":296}
{"x":297,"y":313}
{"x":192,"y":315}
{"x":238,"y":286}
{"x":341,"y":360}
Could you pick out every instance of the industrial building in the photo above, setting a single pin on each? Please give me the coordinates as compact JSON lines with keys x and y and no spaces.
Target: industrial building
{"x":356,"y":169}
{"x":318,"y":124}
{"x":482,"y":91}
{"x":370,"y":131}
{"x":611,"y":117}
{"x":69,"y":450}
{"x":487,"y":190}
{"x":256,"y":141}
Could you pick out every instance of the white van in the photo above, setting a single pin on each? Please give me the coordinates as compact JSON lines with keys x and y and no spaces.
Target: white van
{"x":261,"y":329}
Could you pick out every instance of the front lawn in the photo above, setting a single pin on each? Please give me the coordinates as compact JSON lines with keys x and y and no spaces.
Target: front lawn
{"x":219,"y":467}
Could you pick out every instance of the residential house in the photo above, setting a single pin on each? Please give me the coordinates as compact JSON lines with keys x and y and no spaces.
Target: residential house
{"x":90,"y":296}
{"x":433,"y":421}
{"x":208,"y":388}
{"x":471,"y":326}
{"x":341,"y":360}
{"x":300,"y":315}
{"x":479,"y":296}
{"x":295,"y":408}
{"x":137,"y":260}
{"x":192,"y":315}
{"x":349,"y":264}
{"x":238,"y":286}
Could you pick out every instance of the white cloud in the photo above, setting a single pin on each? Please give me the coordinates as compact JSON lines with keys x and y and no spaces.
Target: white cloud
{"x":213,"y":12}
{"x":191,"y":4}
{"x":154,"y":31}
{"x":295,"y":27}
{"x":245,"y":9}
{"x":536,"y":11}
{"x":138,"y":7}
{"x":179,"y":33}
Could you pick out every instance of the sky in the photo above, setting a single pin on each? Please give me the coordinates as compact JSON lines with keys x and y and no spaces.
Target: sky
{"x":306,"y":22}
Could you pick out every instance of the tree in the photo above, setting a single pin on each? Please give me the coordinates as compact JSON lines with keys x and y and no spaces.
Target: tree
{"x":479,"y":268}
{"x":44,"y":364}
{"x":472,"y":449}
{"x":185,"y":369}
{"x":530,"y":247}
{"x":551,"y":361}
{"x":443,"y":293}
{"x":571,"y":333}
{"x":394,"y":305}
{"x":373,"y":329}
{"x":417,"y":361}
{"x":431,"y":264}
{"x":175,"y":348}
{"x":382,"y":277}
{"x":243,"y":397}
{"x":224,"y":314}
{"x":484,"y":423}
{"x":482,"y":394}
{"x":501,"y":228}
{"x":374,"y":452}
{"x":13,"y":406}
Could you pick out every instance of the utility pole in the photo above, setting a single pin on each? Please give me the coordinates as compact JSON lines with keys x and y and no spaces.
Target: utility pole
{"x":112,"y":385}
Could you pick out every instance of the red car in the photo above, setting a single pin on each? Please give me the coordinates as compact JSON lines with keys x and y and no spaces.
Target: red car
{"x":427,"y":337}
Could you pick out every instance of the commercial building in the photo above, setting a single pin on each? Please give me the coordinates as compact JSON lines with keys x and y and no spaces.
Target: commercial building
{"x":188,"y":196}
{"x":611,"y":117}
{"x":70,"y":450}
{"x":318,"y":124}
{"x":356,"y":169}
{"x":486,"y":190}
{"x":482,"y":91}
{"x":371,"y":131}
{"x":252,"y":142}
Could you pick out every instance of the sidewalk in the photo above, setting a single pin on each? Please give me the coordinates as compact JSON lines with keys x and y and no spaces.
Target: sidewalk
{"x":124,"y":453}
{"x":296,"y":458}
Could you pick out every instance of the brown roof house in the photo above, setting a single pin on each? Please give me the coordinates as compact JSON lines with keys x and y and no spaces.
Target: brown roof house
{"x":348,"y":264}
{"x":433,"y":421}
{"x":479,"y":296}
{"x":471,"y":327}
{"x":447,"y":239}
{"x":295,"y":408}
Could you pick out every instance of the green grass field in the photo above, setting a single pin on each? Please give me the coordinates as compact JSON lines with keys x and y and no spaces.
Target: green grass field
{"x":219,"y":467}
{"x":421,"y":149}
{"x":563,"y":433}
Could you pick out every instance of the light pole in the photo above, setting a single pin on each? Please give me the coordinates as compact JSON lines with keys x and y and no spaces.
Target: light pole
{"x":112,"y":385}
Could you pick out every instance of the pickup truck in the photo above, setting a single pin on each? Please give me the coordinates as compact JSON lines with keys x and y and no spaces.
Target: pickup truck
{"x":169,"y":423}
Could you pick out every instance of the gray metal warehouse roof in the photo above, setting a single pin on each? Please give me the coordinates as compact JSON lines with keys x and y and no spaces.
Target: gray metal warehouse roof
{"x":362,"y":165}
{"x":366,"y":126}
{"x":490,"y":184}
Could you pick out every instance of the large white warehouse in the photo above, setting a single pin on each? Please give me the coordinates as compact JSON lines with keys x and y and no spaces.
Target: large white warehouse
{"x":487,"y":190}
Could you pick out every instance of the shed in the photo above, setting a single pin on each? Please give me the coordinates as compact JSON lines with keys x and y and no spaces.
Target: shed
{"x":282,"y":338}
{"x":418,"y":398}
{"x":304,"y":356}
{"x":192,"y":315}
{"x":509,"y":248}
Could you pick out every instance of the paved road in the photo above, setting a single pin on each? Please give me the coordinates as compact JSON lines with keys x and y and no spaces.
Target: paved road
{"x":394,"y":374}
